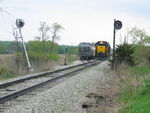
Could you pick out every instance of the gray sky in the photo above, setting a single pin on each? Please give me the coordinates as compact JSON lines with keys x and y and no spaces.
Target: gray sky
{"x":83,"y":20}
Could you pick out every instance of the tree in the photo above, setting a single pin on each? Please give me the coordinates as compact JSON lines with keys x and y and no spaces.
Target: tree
{"x":2,"y":10}
{"x":55,"y":29}
{"x":44,"y":29}
{"x":139,"y":36}
{"x":15,"y":33}
{"x":141,"y":42}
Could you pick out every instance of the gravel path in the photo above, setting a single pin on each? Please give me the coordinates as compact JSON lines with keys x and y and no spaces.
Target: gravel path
{"x":66,"y":97}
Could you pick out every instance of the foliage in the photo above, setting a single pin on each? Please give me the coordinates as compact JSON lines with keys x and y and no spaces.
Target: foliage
{"x":36,"y":46}
{"x":3,"y":48}
{"x":43,"y":35}
{"x":35,"y":49}
{"x":140,"y":36}
{"x":5,"y":73}
{"x":3,"y":70}
{"x":73,"y":50}
{"x":139,"y":103}
{"x":44,"y":28}
{"x":135,"y":90}
{"x":135,"y":80}
{"x":136,"y":53}
{"x":136,"y":70}
{"x":124,"y":53}
{"x":55,"y":29}
{"x":72,"y":53}
{"x":7,"y":47}
{"x":142,"y":48}
{"x":62,"y":49}
{"x":142,"y":55}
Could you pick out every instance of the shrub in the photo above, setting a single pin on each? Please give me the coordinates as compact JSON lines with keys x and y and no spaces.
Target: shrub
{"x":124,"y":53}
{"x":142,"y":55}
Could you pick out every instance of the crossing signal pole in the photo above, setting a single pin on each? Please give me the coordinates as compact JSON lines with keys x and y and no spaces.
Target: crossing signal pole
{"x":117,"y":26}
{"x":20,"y":23}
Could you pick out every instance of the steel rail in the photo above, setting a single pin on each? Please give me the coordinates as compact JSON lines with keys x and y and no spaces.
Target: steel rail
{"x":29,"y":89}
{"x":3,"y":85}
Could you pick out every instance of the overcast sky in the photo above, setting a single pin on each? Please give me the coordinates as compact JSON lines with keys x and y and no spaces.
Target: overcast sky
{"x":83,"y":20}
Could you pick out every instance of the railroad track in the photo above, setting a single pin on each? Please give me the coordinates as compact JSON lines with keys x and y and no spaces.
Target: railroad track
{"x":17,"y":88}
{"x":42,"y":74}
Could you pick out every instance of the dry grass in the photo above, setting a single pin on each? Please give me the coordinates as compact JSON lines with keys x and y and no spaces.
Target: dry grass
{"x":129,"y":80}
{"x":11,"y":65}
{"x":4,"y":59}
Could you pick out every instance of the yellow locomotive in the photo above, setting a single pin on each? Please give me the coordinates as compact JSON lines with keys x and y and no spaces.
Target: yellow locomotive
{"x":102,"y":50}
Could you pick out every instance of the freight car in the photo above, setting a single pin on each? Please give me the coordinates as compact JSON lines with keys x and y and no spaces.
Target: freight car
{"x":86,"y":51}
{"x":102,"y":50}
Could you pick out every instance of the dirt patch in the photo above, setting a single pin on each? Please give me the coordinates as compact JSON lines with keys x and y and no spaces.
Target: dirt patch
{"x":104,"y":100}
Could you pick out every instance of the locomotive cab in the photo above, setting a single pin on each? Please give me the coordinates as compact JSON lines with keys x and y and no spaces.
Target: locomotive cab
{"x":102,"y":50}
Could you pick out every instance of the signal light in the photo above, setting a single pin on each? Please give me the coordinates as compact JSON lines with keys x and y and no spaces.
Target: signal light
{"x":20,"y":23}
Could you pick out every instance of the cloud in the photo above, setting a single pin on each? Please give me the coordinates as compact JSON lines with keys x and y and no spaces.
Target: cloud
{"x":84,"y":21}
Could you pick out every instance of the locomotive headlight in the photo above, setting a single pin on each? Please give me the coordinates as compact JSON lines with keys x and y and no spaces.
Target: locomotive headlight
{"x":20,"y":23}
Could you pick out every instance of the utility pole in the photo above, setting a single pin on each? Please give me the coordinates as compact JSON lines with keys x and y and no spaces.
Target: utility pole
{"x":114,"y":38}
{"x":117,"y":26}
{"x":20,"y":24}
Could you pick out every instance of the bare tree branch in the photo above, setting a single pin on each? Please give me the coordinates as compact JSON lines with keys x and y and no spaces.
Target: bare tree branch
{"x":55,"y":29}
{"x":2,"y":9}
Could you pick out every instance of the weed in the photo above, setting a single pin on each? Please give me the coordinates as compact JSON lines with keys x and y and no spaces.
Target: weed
{"x":135,"y":90}
{"x":6,"y":74}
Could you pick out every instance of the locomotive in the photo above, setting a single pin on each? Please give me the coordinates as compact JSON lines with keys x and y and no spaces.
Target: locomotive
{"x":102,"y":50}
{"x":86,"y":51}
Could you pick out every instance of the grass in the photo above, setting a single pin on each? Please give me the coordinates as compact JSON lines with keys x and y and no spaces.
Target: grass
{"x":6,"y":74}
{"x":139,"y":70}
{"x":71,"y":58}
{"x":135,"y":90}
{"x":138,"y":103}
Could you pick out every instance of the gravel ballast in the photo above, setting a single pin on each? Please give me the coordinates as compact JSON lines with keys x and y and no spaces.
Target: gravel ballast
{"x":66,"y":97}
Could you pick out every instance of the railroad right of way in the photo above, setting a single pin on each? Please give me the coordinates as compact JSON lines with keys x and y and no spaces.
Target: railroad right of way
{"x":17,"y":88}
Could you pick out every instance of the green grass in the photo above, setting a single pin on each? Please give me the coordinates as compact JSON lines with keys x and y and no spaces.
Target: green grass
{"x":139,"y":70}
{"x":139,"y":101}
{"x":6,"y":74}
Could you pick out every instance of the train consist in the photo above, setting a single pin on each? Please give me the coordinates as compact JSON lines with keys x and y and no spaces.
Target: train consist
{"x":99,"y":50}
{"x":86,"y":51}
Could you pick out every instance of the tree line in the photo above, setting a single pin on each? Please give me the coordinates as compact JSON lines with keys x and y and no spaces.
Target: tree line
{"x":11,"y":47}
